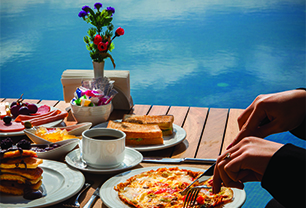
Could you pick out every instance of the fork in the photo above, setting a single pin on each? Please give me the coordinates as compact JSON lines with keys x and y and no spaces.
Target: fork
{"x":192,"y":195}
{"x":203,"y":177}
{"x":76,"y":203}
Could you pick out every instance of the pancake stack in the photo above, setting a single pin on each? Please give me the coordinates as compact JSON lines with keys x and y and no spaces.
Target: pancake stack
{"x":20,"y":174}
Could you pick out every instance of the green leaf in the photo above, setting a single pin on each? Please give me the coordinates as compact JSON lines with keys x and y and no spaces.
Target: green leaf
{"x":111,"y":47}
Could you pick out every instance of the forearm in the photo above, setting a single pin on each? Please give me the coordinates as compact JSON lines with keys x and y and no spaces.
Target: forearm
{"x":285,"y":176}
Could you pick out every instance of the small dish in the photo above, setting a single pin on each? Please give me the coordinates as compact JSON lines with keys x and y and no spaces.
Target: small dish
{"x":93,"y":114}
{"x":58,"y":152}
{"x":131,"y":159}
{"x":72,"y":130}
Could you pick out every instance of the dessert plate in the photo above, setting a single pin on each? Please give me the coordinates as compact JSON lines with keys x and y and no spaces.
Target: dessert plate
{"x":110,"y":197}
{"x":20,"y":133}
{"x":131,"y":159}
{"x":60,"y":182}
{"x":179,"y":134}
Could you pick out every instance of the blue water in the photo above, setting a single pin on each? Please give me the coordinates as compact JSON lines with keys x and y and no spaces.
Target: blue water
{"x":180,"y":53}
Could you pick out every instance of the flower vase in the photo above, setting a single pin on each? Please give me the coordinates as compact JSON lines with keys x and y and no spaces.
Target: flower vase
{"x":98,"y":69}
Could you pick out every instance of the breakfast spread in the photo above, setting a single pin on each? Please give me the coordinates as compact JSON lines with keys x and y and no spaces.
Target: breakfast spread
{"x":138,"y":134}
{"x":162,"y":187}
{"x":20,"y":174}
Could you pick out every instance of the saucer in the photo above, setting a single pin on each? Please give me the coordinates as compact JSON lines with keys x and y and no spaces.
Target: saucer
{"x":131,"y":159}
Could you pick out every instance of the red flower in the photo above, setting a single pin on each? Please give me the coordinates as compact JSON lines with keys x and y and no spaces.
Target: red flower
{"x":119,"y":31}
{"x":97,"y":39}
{"x":102,"y":46}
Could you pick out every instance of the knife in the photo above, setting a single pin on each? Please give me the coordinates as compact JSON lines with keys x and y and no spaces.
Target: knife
{"x":93,"y":198}
{"x":204,"y":177}
{"x":178,"y":160}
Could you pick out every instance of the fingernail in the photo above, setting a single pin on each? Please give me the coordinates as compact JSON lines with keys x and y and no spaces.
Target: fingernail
{"x":229,"y":146}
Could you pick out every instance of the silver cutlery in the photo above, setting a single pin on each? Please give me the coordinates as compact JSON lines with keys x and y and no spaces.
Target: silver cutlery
{"x":93,"y":198}
{"x":203,"y":177}
{"x":192,"y":195}
{"x":178,"y":160}
{"x":76,"y":203}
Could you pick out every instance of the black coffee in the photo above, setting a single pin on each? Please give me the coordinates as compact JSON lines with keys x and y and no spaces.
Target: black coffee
{"x":104,"y":137}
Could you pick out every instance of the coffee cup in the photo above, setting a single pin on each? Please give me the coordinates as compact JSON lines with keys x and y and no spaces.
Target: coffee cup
{"x":103,"y":147}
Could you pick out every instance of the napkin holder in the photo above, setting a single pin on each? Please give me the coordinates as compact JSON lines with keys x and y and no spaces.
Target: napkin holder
{"x":71,"y":79}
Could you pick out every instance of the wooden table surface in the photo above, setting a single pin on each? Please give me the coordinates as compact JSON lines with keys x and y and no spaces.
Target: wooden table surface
{"x":209,"y":132}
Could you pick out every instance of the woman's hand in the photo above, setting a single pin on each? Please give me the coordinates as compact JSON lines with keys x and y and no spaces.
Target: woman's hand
{"x":285,"y":111}
{"x":247,"y":162}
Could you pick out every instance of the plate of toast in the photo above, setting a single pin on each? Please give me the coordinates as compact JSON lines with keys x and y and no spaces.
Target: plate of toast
{"x":148,"y":132}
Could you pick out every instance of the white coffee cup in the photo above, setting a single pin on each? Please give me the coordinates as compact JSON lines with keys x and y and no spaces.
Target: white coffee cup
{"x":103,"y":147}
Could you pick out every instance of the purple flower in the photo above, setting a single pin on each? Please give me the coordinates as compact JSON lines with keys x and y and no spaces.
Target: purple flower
{"x":86,"y":8}
{"x":98,"y":5}
{"x":111,"y":9}
{"x":82,"y":13}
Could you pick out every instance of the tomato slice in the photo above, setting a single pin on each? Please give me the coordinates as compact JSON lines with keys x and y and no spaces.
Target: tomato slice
{"x":200,"y":199}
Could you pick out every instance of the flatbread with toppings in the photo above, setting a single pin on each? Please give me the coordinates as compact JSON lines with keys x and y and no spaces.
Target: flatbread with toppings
{"x":161,"y":189}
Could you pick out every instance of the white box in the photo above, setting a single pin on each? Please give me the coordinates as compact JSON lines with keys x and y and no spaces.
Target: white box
{"x":71,"y":79}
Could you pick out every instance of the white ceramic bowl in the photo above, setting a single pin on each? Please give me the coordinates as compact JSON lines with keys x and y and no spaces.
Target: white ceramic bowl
{"x":58,"y":152}
{"x":94,"y":114}
{"x":73,"y":130}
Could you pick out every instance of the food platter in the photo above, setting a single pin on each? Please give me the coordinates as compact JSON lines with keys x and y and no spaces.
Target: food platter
{"x":20,"y":133}
{"x":131,"y":159}
{"x":179,"y":134}
{"x":110,"y":197}
{"x":60,"y":182}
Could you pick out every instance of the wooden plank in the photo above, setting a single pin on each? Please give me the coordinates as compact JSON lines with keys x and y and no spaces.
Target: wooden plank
{"x":211,"y":141}
{"x":35,"y":101}
{"x":52,"y":103}
{"x":193,"y":126}
{"x":10,"y":100}
{"x":140,"y":109}
{"x":179,"y":114}
{"x":159,"y":110}
{"x":232,"y":127}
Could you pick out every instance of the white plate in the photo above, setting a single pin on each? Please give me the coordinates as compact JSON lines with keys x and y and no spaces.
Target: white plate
{"x":131,"y":159}
{"x":20,"y":133}
{"x":110,"y":197}
{"x":60,"y":182}
{"x":179,"y":134}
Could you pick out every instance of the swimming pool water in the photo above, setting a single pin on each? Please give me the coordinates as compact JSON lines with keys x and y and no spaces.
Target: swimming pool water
{"x":199,"y":53}
{"x":185,"y":53}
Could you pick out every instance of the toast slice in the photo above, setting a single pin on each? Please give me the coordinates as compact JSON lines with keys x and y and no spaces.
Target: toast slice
{"x":138,"y":134}
{"x":165,"y":122}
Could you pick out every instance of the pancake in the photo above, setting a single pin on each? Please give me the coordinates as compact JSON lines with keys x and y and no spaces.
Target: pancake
{"x":31,"y":174}
{"x":18,"y":178}
{"x":23,"y":162}
{"x":14,"y":188}
{"x":13,"y":153}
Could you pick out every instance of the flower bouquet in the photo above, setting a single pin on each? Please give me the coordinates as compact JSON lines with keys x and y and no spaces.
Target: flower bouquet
{"x":99,"y":42}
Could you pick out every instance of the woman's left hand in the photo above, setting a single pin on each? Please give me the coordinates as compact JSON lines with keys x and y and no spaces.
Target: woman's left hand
{"x":245,"y":161}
